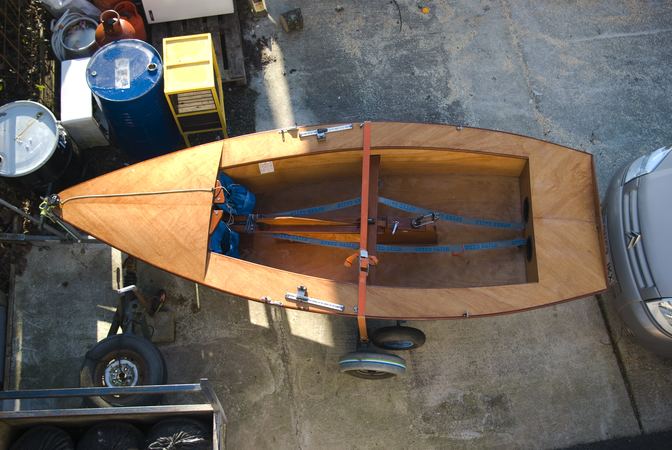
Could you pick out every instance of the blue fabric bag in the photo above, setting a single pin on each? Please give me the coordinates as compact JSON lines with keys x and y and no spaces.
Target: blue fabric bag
{"x":239,"y":199}
{"x":225,"y":241}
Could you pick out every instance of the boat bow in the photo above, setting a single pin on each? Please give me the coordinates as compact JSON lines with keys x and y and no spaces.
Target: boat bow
{"x":157,"y":209}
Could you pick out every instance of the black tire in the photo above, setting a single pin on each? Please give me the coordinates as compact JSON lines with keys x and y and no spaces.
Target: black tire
{"x":123,"y":360}
{"x":398,"y":338}
{"x":44,"y":437}
{"x":179,"y":433}
{"x":112,"y":436}
{"x":372,"y":365}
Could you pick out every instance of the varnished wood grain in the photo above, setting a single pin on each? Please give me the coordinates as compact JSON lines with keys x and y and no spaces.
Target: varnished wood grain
{"x":169,"y":231}
{"x":565,"y":216}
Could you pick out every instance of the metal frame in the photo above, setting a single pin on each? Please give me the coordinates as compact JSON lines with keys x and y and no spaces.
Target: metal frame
{"x":70,"y":235}
{"x":216,"y":91}
{"x":203,"y":387}
{"x":15,"y":17}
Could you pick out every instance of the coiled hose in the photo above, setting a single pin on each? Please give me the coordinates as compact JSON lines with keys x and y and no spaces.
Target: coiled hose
{"x":68,"y":18}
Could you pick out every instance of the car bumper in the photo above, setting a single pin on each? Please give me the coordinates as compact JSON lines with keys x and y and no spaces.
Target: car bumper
{"x":638,"y":320}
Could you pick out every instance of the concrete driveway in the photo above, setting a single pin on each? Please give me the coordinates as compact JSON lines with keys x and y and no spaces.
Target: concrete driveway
{"x":587,"y":74}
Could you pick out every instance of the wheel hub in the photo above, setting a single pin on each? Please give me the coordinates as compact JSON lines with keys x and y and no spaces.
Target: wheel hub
{"x":121,"y":372}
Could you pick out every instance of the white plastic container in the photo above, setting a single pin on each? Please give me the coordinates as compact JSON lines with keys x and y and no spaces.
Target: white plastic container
{"x":80,"y":114}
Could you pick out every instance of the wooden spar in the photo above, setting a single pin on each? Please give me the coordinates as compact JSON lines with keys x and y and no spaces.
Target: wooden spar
{"x":404,"y":231}
{"x":372,"y":218}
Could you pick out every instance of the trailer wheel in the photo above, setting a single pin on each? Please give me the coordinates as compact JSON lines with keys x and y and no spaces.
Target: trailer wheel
{"x":123,"y":360}
{"x":372,"y":365}
{"x":44,"y":437}
{"x":398,"y":338}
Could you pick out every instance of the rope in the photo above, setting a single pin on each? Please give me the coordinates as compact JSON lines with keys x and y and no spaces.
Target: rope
{"x":69,"y":17}
{"x":50,"y":203}
{"x":132,"y":194}
{"x":383,"y":248}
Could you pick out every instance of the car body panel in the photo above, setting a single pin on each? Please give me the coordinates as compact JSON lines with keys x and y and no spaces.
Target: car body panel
{"x":643,"y":206}
{"x":655,"y":211}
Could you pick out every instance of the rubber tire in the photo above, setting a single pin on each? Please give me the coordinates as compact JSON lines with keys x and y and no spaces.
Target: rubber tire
{"x":168,"y":429}
{"x":152,"y":368}
{"x":398,"y":338}
{"x":112,"y":436}
{"x":372,"y":365}
{"x":44,"y":437}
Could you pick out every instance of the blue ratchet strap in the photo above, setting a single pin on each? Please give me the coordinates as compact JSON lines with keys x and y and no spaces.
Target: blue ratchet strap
{"x":450,"y":217}
{"x":455,"y":248}
{"x":382,"y":248}
{"x":314,"y":241}
{"x":315,"y":209}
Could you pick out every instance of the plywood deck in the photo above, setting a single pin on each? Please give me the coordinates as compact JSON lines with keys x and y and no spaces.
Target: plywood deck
{"x":568,"y":257}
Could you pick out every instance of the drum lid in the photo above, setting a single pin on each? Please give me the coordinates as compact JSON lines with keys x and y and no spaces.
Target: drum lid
{"x":29,"y":136}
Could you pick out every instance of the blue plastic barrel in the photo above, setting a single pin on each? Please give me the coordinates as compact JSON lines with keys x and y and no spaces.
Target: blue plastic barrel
{"x":126,"y":77}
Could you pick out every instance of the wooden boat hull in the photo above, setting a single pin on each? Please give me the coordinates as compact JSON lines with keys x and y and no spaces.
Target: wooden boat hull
{"x":470,"y":171}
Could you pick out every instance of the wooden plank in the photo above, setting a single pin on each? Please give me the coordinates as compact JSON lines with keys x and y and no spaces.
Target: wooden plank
{"x":531,"y":267}
{"x":158,"y":32}
{"x":213,"y":28}
{"x":306,"y":169}
{"x":194,"y":26}
{"x":230,"y":29}
{"x":191,"y":102}
{"x":194,"y":94}
{"x":372,"y":235}
{"x":176,"y":28}
{"x":196,"y":108}
{"x":194,"y":101}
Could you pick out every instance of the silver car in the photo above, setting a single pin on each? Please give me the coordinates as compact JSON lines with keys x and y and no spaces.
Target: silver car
{"x":638,"y":214}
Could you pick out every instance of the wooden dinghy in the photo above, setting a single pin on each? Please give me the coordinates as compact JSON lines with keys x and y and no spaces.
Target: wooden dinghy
{"x":459,"y":222}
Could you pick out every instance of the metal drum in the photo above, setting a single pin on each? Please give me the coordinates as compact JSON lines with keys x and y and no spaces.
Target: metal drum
{"x":34,"y":149}
{"x":127,"y":78}
{"x":79,"y":38}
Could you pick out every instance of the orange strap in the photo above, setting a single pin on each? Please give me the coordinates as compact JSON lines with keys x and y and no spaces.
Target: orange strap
{"x":363,"y":235}
{"x":350,"y":260}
